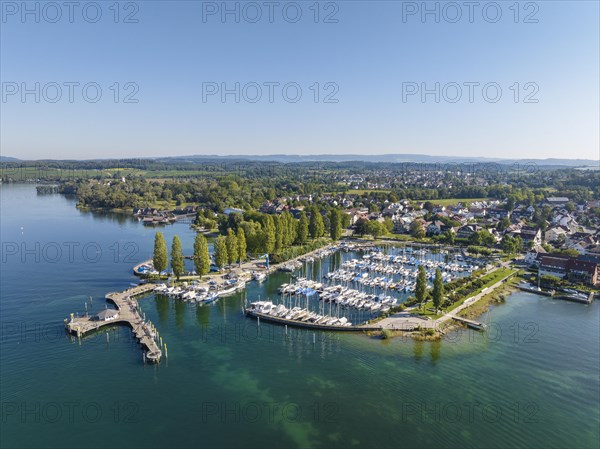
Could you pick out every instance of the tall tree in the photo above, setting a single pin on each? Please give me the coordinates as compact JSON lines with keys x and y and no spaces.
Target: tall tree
{"x":279,"y":232}
{"x":160,"y":259}
{"x":232,"y":247}
{"x":302,"y":228}
{"x":438,"y":290}
{"x":269,"y":230}
{"x":417,"y":230}
{"x":177,"y":262}
{"x":361,"y":226}
{"x":421,"y":287}
{"x":335,"y":224}
{"x":316,"y":226}
{"x":375,"y":228}
{"x":289,"y":229}
{"x":241,"y":241}
{"x":201,"y":255}
{"x":221,"y":252}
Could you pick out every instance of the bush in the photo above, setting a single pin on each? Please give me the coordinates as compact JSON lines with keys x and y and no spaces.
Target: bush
{"x":386,"y":334}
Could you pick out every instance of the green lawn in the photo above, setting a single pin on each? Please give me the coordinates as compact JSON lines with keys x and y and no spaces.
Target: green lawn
{"x":406,"y":238}
{"x":452,"y":201}
{"x":362,"y":191}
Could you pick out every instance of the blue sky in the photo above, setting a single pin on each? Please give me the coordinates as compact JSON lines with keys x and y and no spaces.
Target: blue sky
{"x":375,"y":52}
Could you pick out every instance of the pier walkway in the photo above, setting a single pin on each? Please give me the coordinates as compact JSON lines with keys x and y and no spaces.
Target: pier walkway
{"x":470,"y":323}
{"x":128,"y":313}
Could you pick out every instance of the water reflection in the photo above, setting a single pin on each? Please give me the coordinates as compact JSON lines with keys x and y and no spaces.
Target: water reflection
{"x":434,"y":350}
{"x":418,"y":350}
{"x":162,"y":307}
{"x":202,"y":315}
{"x":180,"y":311}
{"x":106,"y":216}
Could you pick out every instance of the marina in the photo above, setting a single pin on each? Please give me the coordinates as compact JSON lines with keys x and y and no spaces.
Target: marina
{"x":358,"y":287}
{"x":341,"y":287}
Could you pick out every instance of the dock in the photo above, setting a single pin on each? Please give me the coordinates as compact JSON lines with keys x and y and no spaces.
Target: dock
{"x":580,"y":299}
{"x":535,"y":290}
{"x":137,"y":268}
{"x":470,"y":323}
{"x":129,"y":314}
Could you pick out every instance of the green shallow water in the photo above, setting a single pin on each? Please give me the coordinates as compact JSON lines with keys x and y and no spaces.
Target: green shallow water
{"x":532,"y":381}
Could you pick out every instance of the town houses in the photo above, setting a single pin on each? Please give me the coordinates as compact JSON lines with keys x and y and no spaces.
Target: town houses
{"x":572,"y":268}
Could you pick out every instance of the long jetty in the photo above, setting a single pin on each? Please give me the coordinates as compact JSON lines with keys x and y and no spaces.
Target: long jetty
{"x":128,"y":313}
{"x":295,"y":323}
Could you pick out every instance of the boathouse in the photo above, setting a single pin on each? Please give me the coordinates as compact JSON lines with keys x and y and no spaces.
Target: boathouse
{"x":107,"y":315}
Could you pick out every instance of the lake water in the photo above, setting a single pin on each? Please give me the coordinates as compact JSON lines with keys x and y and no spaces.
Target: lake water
{"x":532,"y":380}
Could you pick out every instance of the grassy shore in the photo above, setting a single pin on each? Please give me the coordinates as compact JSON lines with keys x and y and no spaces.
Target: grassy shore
{"x":498,"y":296}
{"x":489,"y":279}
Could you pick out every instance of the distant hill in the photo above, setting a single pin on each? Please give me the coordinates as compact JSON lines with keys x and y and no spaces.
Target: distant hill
{"x":389,"y":158}
{"x":8,"y":159}
{"x":340,"y":158}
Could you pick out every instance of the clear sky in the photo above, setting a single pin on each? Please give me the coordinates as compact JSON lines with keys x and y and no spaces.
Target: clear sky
{"x":373,"y":57}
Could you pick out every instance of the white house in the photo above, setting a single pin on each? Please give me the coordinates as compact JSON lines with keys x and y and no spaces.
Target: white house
{"x":233,"y":210}
{"x":554,"y":233}
{"x":532,"y":256}
{"x":107,"y":315}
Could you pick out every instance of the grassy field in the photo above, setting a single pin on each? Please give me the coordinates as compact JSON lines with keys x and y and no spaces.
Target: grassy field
{"x":363,"y":191}
{"x":495,"y":296}
{"x":452,"y":201}
{"x":405,"y":238}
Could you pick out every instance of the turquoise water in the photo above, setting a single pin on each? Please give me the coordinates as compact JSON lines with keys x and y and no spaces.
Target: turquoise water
{"x":533,"y":380}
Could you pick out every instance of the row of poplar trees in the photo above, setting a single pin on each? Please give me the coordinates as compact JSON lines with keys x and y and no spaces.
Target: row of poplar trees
{"x":437,"y":293}
{"x":280,"y":231}
{"x":201,"y":256}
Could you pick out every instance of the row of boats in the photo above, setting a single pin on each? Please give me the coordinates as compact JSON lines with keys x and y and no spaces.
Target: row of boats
{"x":344,"y":297}
{"x":404,"y":285}
{"x":322,"y":253}
{"x":297,"y":314}
{"x":200,"y":294}
{"x":392,"y":263}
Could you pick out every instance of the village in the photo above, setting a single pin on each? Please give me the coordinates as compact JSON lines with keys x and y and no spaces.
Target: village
{"x":566,"y":245}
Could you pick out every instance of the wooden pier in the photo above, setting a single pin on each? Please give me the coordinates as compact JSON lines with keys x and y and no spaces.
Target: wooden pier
{"x":128,"y":313}
{"x":470,"y":323}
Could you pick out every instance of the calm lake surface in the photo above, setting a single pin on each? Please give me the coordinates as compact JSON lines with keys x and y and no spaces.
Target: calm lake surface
{"x":532,"y":380}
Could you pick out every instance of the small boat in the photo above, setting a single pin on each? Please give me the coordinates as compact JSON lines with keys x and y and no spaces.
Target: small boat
{"x":258,"y":276}
{"x":211,"y":298}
